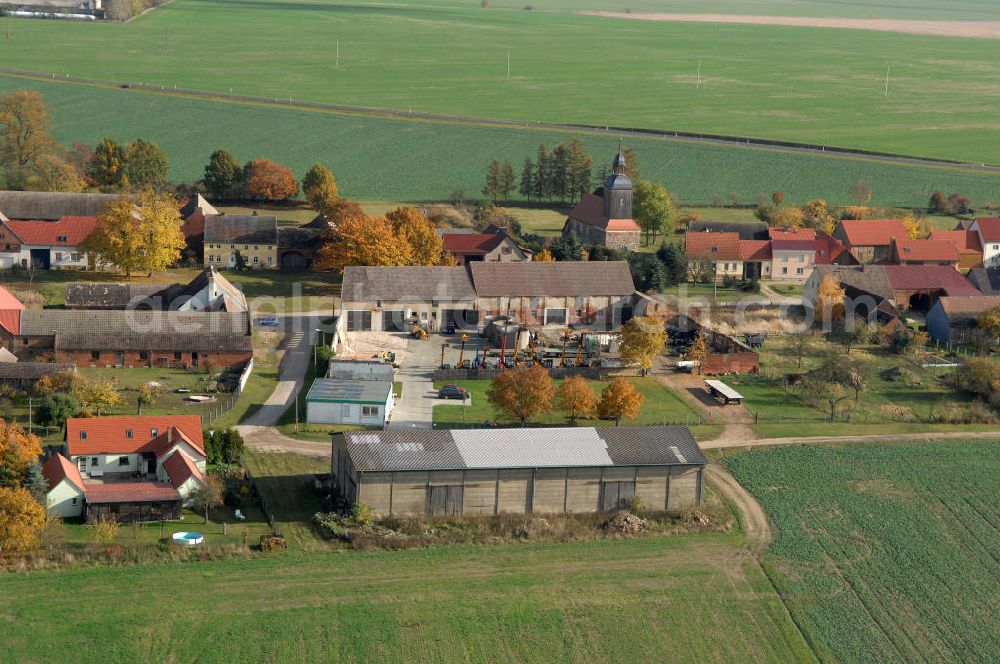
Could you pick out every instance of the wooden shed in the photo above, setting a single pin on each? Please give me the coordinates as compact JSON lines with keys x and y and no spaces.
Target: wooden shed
{"x":544,"y":470}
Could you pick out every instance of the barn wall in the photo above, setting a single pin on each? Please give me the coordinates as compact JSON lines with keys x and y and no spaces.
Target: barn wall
{"x":515,"y":490}
{"x":651,"y":486}
{"x":583,"y":489}
{"x":480,"y":495}
{"x":725,"y":363}
{"x":685,"y":488}
{"x":549,"y":493}
{"x":409,"y":493}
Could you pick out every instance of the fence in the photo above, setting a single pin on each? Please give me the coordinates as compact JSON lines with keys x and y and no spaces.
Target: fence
{"x":272,"y":521}
{"x":493,"y":122}
{"x":223,"y":408}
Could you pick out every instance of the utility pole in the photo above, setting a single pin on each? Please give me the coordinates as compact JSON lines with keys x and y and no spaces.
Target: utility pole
{"x":29,"y":414}
{"x":887,"y":81}
{"x":338,"y":55}
{"x":508,"y":63}
{"x":698,"y":84}
{"x":296,"y":411}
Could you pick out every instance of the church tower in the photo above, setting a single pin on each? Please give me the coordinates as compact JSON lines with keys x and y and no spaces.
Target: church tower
{"x":618,"y":190}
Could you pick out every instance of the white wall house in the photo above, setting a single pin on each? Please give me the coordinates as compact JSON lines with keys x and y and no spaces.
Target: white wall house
{"x":361,"y":402}
{"x":66,"y":490}
{"x":989,"y":235}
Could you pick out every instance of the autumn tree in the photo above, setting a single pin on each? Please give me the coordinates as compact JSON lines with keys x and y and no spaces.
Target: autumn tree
{"x":266,"y":180}
{"x":523,"y":393}
{"x":631,"y":164}
{"x":416,"y":230}
{"x":18,"y":450}
{"x":67,"y":382}
{"x":834,"y":393}
{"x":989,"y":321}
{"x":319,"y":186}
{"x":339,"y":209}
{"x":99,"y":397}
{"x":543,"y":256}
{"x":915,"y":228}
{"x":830,"y":298}
{"x":149,"y":394}
{"x":138,"y":232}
{"x":778,"y":198}
{"x":642,"y":339}
{"x":653,"y":209}
{"x":146,"y":165}
{"x":22,"y":519}
{"x":861,"y":192}
{"x":52,"y":173}
{"x":363,"y":240}
{"x":108,"y":170}
{"x":619,"y":399}
{"x":223,"y":175}
{"x":575,"y":398}
{"x":698,"y":350}
{"x":208,"y":495}
{"x":24,"y":125}
{"x":816,"y":214}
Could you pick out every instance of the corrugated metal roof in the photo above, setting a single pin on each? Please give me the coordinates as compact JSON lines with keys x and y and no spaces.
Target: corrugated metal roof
{"x":562,"y":279}
{"x":349,"y":391}
{"x":417,"y":283}
{"x":552,"y":447}
{"x":42,"y":322}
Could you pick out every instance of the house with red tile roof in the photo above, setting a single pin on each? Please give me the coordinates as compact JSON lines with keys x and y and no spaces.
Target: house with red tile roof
{"x":870,"y":240}
{"x":968,"y":244}
{"x":923,"y":252}
{"x":45,"y":244}
{"x":605,"y":216}
{"x":66,"y":488}
{"x":714,"y":254}
{"x":130,"y":468}
{"x":498,"y":247}
{"x":988,"y":230}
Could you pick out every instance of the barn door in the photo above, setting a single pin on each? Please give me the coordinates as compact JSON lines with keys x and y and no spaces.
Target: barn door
{"x":445,"y":500}
{"x":616,"y":494}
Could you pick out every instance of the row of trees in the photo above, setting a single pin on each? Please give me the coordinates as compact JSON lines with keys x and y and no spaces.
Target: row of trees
{"x":564,"y":174}
{"x":264,"y":180}
{"x":527,"y":393}
{"x":22,"y":489}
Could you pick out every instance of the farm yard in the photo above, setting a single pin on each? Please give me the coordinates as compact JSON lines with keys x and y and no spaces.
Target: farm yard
{"x":683,"y":599}
{"x":884,"y":552}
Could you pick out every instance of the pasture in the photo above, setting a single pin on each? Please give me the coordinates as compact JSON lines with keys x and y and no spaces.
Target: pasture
{"x":682,"y":599}
{"x":383,"y":159}
{"x":819,"y":85}
{"x":884,"y":552}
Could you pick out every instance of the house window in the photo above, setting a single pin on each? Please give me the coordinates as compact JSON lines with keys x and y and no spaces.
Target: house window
{"x":128,"y":433}
{"x":270,"y":260}
{"x":177,"y":356}
{"x":715,"y":249}
{"x":58,"y":255}
{"x":555,"y":316}
{"x":74,"y":500}
{"x":802,"y":258}
{"x":94,"y":461}
{"x":784,"y":270}
{"x":60,"y":238}
{"x":232,"y":246}
{"x":83,"y":435}
{"x":996,"y":247}
{"x":153,"y":433}
{"x":95,"y":354}
{"x":246,"y":247}
{"x":256,"y":247}
{"x":123,"y":460}
{"x":345,"y":410}
{"x":143,"y":354}
{"x":256,"y":259}
{"x":784,"y":259}
{"x":505,"y":250}
{"x":369,"y":411}
{"x":75,"y":257}
{"x":799,"y":270}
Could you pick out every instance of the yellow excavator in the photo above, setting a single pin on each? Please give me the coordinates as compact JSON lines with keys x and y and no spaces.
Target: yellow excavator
{"x":418,"y":332}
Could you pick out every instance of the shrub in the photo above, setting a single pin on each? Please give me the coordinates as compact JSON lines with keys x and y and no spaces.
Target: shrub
{"x":362,"y":514}
{"x":635,"y":505}
{"x":102,"y":532}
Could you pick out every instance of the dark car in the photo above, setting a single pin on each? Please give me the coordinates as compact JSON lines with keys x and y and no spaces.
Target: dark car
{"x":452,"y":392}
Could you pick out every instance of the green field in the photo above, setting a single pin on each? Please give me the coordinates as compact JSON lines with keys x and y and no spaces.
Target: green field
{"x":885,"y":553}
{"x":679,"y":599}
{"x":805,"y":84}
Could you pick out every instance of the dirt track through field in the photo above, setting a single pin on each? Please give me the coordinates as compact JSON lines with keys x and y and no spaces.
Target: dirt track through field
{"x":969,"y":29}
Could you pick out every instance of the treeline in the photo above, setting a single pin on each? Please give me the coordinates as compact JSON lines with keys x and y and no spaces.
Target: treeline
{"x":652,"y":272}
{"x":564,"y":174}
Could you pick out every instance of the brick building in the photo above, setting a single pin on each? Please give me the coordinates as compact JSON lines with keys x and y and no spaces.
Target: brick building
{"x":605,"y":216}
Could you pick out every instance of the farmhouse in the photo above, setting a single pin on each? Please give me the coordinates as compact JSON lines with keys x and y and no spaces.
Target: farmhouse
{"x":923,"y":252}
{"x":51,"y":205}
{"x":126,"y":468}
{"x":194,"y":212}
{"x":988,"y":230}
{"x":605,"y":216}
{"x":209,"y":291}
{"x":954,"y":319}
{"x":872,"y":288}
{"x":533,"y":470}
{"x":45,"y":244}
{"x":599,"y":294}
{"x":347,"y":401}
{"x":497,"y":246}
{"x":254,"y":237}
{"x":870,"y":239}
{"x":968,"y":244}
{"x":719,"y":253}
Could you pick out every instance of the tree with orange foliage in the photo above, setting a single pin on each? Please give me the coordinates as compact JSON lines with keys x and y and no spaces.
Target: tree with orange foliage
{"x":523,"y":393}
{"x":576,"y":399}
{"x":544,"y":256}
{"x":267,"y":180}
{"x":338,"y":210}
{"x":363,"y":241}
{"x":22,"y":519}
{"x":18,"y":450}
{"x":830,"y":298}
{"x":619,"y":399}
{"x":915,"y":228}
{"x":419,"y":232}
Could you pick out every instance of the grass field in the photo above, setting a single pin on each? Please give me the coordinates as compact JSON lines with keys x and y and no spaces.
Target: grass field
{"x":679,"y":599}
{"x":813,"y":85}
{"x":885,"y":553}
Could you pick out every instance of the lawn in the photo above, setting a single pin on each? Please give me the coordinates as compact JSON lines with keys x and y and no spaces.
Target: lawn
{"x":813,"y":85}
{"x":223,"y":528}
{"x":394,"y":159}
{"x":682,"y":599}
{"x":661,"y":406}
{"x":285,"y":483}
{"x":885,"y":552}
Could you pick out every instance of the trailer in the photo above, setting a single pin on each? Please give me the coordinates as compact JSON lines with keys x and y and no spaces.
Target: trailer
{"x":722,"y":392}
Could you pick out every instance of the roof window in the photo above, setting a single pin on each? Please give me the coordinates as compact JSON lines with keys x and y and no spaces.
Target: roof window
{"x":61,"y":238}
{"x":128,"y":433}
{"x":83,"y":435}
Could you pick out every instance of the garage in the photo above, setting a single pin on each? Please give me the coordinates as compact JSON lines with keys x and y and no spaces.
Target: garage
{"x":359,"y":321}
{"x":462,"y":319}
{"x":394,"y":320}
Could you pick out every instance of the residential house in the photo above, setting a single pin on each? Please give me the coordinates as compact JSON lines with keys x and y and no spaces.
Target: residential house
{"x":956,"y":319}
{"x":209,"y":291}
{"x":757,"y":258}
{"x":970,"y":248}
{"x":793,"y":252}
{"x":254,"y":237}
{"x":297,"y":247}
{"x":194,"y":212}
{"x":497,"y":246}
{"x":533,"y":470}
{"x":923,"y":252}
{"x":346,"y":401}
{"x":870,"y":240}
{"x":597,"y":294}
{"x":715,"y":255}
{"x":127,"y":468}
{"x":605,"y":216}
{"x":988,"y":230}
{"x":45,"y":244}
{"x":885,"y":290}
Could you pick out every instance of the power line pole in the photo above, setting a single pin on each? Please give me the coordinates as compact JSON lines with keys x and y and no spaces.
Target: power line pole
{"x":698,"y":85}
{"x":508,"y":63}
{"x":338,"y":55}
{"x":887,"y":81}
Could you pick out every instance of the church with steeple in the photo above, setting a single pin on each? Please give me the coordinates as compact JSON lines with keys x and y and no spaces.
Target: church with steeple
{"x":605,"y":216}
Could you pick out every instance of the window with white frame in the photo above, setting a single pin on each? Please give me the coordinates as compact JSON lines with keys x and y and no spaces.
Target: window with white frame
{"x":555,"y":316}
{"x":369,"y":411}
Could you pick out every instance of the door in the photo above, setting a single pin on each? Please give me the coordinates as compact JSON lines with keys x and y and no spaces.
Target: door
{"x":41,"y":258}
{"x":394,"y":320}
{"x":445,"y":500}
{"x":359,"y":321}
{"x":616,"y":494}
{"x":81,"y":464}
{"x":151,"y":466}
{"x":119,"y":359}
{"x":194,"y":359}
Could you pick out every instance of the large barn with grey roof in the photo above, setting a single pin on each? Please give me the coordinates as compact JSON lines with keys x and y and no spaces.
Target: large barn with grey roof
{"x":529,"y":470}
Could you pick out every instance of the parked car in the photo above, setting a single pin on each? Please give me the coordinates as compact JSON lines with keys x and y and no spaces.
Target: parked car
{"x":270,"y":321}
{"x":452,"y":392}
